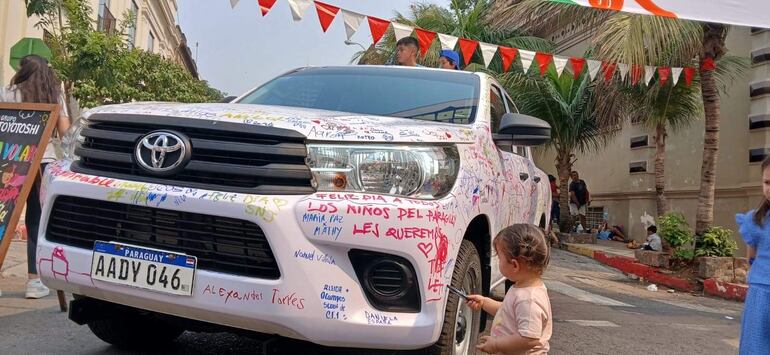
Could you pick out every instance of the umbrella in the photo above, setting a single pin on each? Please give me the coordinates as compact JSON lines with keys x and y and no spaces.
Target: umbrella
{"x":27,"y":46}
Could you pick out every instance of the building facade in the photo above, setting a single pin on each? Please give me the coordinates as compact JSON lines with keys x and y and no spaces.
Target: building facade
{"x":154,"y":28}
{"x":621,"y":176}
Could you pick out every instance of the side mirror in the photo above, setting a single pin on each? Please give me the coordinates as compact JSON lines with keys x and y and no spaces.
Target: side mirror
{"x":522,"y":130}
{"x":228,"y":99}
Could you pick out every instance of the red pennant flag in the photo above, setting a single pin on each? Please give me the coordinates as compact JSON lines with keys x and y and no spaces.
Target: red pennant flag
{"x":326,"y":14}
{"x":467,"y":47}
{"x":543,"y":60}
{"x":663,"y":74}
{"x":507,"y":54}
{"x":577,"y":66}
{"x":426,"y":39}
{"x":637,"y":71}
{"x":609,"y":70}
{"x":708,"y":64}
{"x":378,"y":28}
{"x":265,"y":6}
{"x":689,"y":73}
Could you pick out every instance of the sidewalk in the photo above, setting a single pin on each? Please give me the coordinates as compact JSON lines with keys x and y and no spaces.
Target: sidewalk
{"x":605,"y":246}
{"x":13,"y":283}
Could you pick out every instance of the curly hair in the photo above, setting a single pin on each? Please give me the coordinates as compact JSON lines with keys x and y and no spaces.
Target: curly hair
{"x":36,"y":81}
{"x":524,"y":242}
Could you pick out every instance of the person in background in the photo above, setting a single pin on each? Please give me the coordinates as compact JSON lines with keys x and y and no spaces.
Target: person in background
{"x":406,"y":52}
{"x":653,"y":240}
{"x":578,"y":198}
{"x":449,"y":60}
{"x":555,"y":209}
{"x":523,"y":323}
{"x":755,"y":229}
{"x":36,"y":82}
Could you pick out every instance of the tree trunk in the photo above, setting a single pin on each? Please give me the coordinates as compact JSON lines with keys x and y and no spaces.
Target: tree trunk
{"x":660,"y":169}
{"x":563,"y":168}
{"x":713,"y":49}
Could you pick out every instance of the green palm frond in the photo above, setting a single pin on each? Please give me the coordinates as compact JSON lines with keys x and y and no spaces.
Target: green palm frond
{"x":729,"y":69}
{"x":540,"y":18}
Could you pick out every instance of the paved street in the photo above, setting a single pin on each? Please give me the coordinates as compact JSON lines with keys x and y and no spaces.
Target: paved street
{"x":596,"y":311}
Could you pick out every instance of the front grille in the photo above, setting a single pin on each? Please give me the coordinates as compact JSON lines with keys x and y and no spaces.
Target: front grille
{"x":226,"y":245}
{"x":225,"y":156}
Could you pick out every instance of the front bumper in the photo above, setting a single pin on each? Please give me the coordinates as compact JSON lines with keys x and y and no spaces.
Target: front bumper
{"x":322,"y":226}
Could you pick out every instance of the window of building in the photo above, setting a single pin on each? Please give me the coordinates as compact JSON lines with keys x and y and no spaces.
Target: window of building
{"x":758,"y":155}
{"x":496,"y":108}
{"x":759,"y":121}
{"x":151,"y":42}
{"x":106,"y":22}
{"x":132,"y":28}
{"x":641,"y":141}
{"x":594,"y":217}
{"x":637,"y":167}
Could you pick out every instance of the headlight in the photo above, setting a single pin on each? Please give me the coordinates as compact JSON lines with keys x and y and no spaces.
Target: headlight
{"x":410,"y":171}
{"x":70,"y":140}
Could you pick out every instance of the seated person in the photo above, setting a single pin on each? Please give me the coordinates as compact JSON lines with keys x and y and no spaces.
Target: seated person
{"x":607,"y":232}
{"x":653,"y":240}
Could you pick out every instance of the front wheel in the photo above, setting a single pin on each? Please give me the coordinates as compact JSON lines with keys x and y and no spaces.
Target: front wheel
{"x":460,"y":331}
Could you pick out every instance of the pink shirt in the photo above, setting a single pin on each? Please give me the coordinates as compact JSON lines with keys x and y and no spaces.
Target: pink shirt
{"x":525,"y":312}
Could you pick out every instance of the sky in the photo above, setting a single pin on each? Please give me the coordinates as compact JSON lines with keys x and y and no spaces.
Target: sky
{"x":239,"y":49}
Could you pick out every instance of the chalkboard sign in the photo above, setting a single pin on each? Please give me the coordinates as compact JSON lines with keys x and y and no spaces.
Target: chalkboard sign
{"x":25,"y":130}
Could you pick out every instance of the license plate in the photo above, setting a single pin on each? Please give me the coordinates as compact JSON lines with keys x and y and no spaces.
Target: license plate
{"x":150,"y":269}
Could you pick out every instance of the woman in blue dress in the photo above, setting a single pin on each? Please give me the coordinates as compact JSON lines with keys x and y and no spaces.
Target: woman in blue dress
{"x":754,"y":226}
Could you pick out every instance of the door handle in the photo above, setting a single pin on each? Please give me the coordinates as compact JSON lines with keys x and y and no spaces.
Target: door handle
{"x":523,"y":176}
{"x":536,"y":179}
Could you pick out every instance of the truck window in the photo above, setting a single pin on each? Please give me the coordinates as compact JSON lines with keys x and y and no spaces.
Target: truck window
{"x":496,"y":108}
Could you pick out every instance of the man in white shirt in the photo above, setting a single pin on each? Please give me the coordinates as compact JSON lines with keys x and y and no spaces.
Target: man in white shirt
{"x":653,"y":240}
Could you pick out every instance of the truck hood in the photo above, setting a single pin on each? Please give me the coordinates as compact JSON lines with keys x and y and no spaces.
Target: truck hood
{"x":317,"y":125}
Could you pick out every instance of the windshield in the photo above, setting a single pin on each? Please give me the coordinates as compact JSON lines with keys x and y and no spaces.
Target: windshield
{"x":418,"y":94}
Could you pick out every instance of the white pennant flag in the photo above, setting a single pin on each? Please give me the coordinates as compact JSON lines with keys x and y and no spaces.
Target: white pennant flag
{"x":526,"y":59}
{"x":488,"y":52}
{"x":649,"y":72}
{"x":676,"y":72}
{"x":623,"y":68}
{"x":447,"y":42}
{"x":233,"y":3}
{"x":593,"y":68}
{"x":352,"y":22}
{"x":560,"y":64}
{"x":299,"y":7}
{"x":402,"y":31}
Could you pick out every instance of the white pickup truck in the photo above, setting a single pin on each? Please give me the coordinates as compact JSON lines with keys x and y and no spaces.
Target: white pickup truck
{"x":332,"y":205}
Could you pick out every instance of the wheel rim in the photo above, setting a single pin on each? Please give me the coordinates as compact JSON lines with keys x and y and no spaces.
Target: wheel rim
{"x":464,"y":320}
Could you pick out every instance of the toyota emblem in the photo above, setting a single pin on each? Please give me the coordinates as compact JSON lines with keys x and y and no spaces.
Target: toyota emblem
{"x":163,"y":152}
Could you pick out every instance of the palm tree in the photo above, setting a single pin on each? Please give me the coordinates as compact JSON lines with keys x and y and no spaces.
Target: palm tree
{"x":581,"y":119}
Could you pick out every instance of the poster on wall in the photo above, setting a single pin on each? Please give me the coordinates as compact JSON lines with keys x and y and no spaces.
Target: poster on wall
{"x":25,"y":130}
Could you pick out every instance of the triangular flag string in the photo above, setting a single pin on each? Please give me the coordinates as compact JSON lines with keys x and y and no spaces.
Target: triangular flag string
{"x":675,"y":73}
{"x":527,"y":57}
{"x":507,"y":54}
{"x":637,"y":71}
{"x":488,"y":52}
{"x":352,"y":22}
{"x":326,"y":14}
{"x":689,"y":73}
{"x":233,"y":3}
{"x":543,"y":61}
{"x":649,"y":72}
{"x":467,"y":48}
{"x":593,"y":68}
{"x":378,"y":27}
{"x":560,"y":64}
{"x":402,"y":31}
{"x":447,"y":42}
{"x":663,"y":73}
{"x":577,"y":66}
{"x":265,"y":6}
{"x":426,"y":39}
{"x":623,"y":70}
{"x":608,"y":69}
{"x":298,"y":8}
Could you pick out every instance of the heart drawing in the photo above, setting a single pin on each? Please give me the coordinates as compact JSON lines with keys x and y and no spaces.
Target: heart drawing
{"x":425,"y":248}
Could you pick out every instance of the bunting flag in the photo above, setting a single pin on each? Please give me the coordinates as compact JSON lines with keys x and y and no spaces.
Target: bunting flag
{"x":233,"y":3}
{"x":507,"y":54}
{"x":708,"y":64}
{"x":265,"y":6}
{"x":689,"y":73}
{"x":527,"y":57}
{"x":352,"y":22}
{"x":649,"y":72}
{"x":447,"y":42}
{"x":608,"y":69}
{"x":663,"y":73}
{"x":402,"y":31}
{"x":298,"y":8}
{"x":543,"y":61}
{"x":467,"y":48}
{"x":560,"y":64}
{"x":623,"y":70}
{"x":426,"y":39}
{"x":378,"y":27}
{"x":675,"y":73}
{"x":577,"y":66}
{"x":326,"y":14}
{"x":487,"y":52}
{"x":637,"y":71}
{"x":593,"y":68}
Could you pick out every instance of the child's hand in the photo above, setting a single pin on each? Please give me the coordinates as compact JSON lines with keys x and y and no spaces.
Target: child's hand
{"x":476,"y":302}
{"x":487,"y":344}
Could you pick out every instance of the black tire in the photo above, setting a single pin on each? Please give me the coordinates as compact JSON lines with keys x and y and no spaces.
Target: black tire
{"x":135,"y":332}
{"x":467,"y":272}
